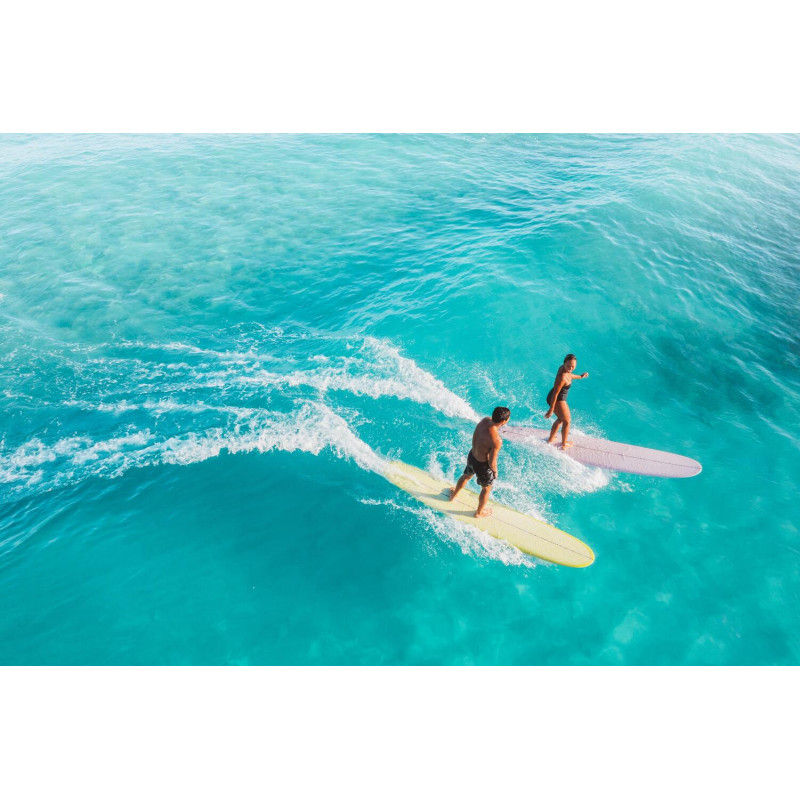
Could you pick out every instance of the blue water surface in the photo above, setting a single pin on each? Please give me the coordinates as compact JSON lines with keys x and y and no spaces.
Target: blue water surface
{"x":212,"y":345}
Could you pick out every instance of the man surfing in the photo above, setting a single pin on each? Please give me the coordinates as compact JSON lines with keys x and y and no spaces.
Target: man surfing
{"x":482,"y":458}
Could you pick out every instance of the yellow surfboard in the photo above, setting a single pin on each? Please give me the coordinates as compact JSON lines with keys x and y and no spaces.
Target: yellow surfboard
{"x":526,"y":533}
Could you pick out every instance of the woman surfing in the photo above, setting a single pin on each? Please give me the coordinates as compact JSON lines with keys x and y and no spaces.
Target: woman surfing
{"x":557,"y":400}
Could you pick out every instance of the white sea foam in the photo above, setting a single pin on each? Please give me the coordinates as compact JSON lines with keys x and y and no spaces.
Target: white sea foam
{"x":310,"y":428}
{"x":572,"y":477}
{"x":377,"y":370}
{"x":112,"y":408}
{"x":110,"y":446}
{"x":35,"y":452}
{"x":423,"y":386}
{"x":369,"y":368}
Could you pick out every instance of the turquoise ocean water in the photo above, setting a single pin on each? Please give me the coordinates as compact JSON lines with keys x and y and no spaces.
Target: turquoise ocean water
{"x":211,"y":345}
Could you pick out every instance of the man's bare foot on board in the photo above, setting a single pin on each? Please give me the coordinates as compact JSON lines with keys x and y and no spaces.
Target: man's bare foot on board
{"x":487,"y":512}
{"x":567,"y":445}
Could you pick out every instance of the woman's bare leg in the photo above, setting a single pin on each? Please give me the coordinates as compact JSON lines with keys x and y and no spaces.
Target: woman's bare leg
{"x":554,"y":431}
{"x":562,"y":409}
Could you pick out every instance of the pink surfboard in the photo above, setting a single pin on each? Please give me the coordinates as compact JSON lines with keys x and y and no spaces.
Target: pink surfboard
{"x":613,"y":456}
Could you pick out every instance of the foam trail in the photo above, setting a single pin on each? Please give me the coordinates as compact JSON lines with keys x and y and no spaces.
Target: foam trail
{"x":423,"y":387}
{"x":372,"y":368}
{"x":311,"y":428}
{"x":377,"y":371}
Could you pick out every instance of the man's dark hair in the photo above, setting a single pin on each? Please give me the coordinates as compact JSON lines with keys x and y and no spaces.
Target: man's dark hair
{"x":500,"y":414}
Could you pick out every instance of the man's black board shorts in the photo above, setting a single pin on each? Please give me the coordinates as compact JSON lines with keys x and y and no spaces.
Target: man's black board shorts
{"x":480,"y":469}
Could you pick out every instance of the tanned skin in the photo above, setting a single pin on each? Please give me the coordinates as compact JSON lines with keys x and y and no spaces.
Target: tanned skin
{"x":486,"y":444}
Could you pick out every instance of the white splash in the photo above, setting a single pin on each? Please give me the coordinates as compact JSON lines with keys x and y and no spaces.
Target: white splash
{"x":470,"y":540}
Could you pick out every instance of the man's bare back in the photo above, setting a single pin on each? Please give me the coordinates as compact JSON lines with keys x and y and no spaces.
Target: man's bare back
{"x":485,"y":440}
